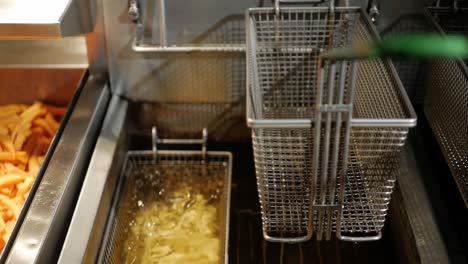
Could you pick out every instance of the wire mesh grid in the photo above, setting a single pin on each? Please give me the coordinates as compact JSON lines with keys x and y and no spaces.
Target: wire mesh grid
{"x":446,"y":101}
{"x":411,"y":72}
{"x":451,"y":21}
{"x":195,"y":91}
{"x":282,"y":56}
{"x":189,"y":91}
{"x":143,"y":180}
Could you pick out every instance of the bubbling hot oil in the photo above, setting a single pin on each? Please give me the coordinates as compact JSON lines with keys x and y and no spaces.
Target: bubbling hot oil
{"x":174,"y":215}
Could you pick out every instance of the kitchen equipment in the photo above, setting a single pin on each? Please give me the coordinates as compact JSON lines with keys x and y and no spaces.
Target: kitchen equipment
{"x":199,"y":168}
{"x":195,"y":79}
{"x":440,"y":85}
{"x":447,"y":98}
{"x":308,"y":180}
{"x":412,"y":72}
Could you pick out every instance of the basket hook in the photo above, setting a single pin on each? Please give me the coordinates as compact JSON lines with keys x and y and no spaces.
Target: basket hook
{"x":204,"y":142}
{"x":154,"y":142}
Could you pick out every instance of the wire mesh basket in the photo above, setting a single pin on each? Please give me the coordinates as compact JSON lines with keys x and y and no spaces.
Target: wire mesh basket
{"x":446,"y":101}
{"x":149,"y":180}
{"x":191,"y":90}
{"x":326,"y":135}
{"x":412,"y":72}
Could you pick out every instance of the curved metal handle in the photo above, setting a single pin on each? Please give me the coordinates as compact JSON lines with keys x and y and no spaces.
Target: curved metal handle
{"x":286,"y":239}
{"x":359,"y":238}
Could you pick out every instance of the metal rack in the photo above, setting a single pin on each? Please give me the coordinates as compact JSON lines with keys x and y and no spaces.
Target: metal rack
{"x":440,"y":86}
{"x":411,"y":72}
{"x":228,"y":34}
{"x":447,"y":96}
{"x":325,"y":161}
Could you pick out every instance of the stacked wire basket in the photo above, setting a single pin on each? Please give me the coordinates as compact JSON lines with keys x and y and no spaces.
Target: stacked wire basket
{"x":446,"y":104}
{"x":326,"y":134}
{"x":441,"y":86}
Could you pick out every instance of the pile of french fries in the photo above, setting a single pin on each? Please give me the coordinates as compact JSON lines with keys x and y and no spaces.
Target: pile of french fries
{"x":25,"y":135}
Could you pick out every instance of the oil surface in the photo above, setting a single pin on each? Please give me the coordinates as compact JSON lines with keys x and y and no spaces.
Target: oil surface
{"x":174,"y":214}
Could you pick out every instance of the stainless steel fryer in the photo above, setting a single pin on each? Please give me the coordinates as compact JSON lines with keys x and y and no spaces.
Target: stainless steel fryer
{"x":181,"y":65}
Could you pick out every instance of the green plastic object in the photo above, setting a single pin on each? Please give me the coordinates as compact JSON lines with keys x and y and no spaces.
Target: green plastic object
{"x":413,"y":46}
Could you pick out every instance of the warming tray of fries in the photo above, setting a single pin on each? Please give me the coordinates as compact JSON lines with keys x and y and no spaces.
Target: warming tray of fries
{"x":46,"y":118}
{"x":26,"y":132}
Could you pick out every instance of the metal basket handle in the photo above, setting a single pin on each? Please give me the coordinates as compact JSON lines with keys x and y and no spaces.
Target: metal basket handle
{"x":357,"y":239}
{"x":176,"y":141}
{"x":279,"y":2}
{"x":455,"y":5}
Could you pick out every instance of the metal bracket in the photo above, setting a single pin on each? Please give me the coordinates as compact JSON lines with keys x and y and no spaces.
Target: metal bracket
{"x":155,"y":140}
{"x":373,"y":10}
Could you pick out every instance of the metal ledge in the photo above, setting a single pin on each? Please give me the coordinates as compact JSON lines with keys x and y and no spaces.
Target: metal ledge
{"x":44,"y":19}
{"x":62,"y":53}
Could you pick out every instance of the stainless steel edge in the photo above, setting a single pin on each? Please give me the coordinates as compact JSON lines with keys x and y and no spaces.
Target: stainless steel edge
{"x":40,"y":234}
{"x":192,"y":48}
{"x":415,"y":199}
{"x":86,"y":229}
{"x":47,"y":18}
{"x":228,"y":207}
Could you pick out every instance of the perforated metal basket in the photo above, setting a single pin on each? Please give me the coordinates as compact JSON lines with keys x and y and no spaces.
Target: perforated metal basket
{"x":313,"y":174}
{"x":146,"y":174}
{"x":446,"y":104}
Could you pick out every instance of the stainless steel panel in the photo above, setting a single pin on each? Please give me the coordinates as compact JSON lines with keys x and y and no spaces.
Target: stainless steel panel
{"x":140,"y":76}
{"x":38,"y":237}
{"x":95,"y":43}
{"x":86,"y":229}
{"x":25,"y":86}
{"x":47,"y":18}
{"x":62,"y":53}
